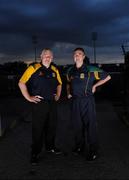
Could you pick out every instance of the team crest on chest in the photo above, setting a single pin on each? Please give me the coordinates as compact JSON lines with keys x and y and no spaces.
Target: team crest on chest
{"x":82,"y":75}
{"x":53,"y":74}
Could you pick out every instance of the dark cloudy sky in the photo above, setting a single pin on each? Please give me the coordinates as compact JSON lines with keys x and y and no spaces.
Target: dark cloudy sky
{"x":63,"y":25}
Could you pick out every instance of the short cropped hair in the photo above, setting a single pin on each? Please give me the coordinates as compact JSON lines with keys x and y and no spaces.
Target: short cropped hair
{"x":79,"y":49}
{"x":46,"y":49}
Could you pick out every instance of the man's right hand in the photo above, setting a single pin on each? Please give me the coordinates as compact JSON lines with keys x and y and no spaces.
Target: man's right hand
{"x":35,"y":99}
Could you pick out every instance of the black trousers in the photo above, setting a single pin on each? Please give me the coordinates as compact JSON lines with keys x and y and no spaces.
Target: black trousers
{"x":84,"y":122}
{"x":44,"y":122}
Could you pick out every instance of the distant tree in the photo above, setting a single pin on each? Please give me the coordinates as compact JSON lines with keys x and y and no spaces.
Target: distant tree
{"x":16,"y":67}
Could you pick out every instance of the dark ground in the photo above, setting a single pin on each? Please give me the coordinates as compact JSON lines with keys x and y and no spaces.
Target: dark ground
{"x":113,"y":162}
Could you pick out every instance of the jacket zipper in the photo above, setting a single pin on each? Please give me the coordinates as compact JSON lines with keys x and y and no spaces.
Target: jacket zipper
{"x":87,"y":83}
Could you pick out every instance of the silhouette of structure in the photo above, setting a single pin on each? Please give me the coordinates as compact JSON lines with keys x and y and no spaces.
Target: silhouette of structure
{"x":34,"y":41}
{"x":94,"y":38}
{"x":125,"y":115}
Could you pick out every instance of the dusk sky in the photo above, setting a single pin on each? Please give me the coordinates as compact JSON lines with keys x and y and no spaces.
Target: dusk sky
{"x":63,"y":25}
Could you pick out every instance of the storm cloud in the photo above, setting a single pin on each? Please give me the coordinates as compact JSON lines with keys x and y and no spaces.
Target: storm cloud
{"x":62,"y":26}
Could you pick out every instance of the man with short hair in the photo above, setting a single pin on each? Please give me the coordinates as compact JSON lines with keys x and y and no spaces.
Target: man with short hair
{"x":83,"y":81}
{"x":41,"y":85}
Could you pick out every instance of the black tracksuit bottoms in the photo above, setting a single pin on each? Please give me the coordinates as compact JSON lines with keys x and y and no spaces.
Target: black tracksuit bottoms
{"x":44,"y":122}
{"x":84,"y":122}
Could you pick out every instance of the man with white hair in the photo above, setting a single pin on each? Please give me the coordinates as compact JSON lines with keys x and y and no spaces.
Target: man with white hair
{"x":41,"y":86}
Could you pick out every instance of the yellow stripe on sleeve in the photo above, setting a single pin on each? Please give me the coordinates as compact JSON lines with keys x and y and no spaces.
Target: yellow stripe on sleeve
{"x":57,"y":73}
{"x":96,"y":75}
{"x":28,"y":73}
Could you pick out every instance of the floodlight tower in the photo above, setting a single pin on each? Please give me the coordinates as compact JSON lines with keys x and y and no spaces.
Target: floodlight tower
{"x":94,"y":38}
{"x":34,"y":41}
